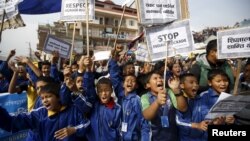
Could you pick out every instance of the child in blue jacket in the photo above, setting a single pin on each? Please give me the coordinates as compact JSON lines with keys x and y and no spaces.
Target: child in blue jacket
{"x":158,"y":106}
{"x":106,"y":115}
{"x":53,"y":121}
{"x":191,"y":128}
{"x":134,"y":126}
{"x":195,"y":109}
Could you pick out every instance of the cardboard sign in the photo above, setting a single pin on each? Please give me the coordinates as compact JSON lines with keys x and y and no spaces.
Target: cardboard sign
{"x":75,"y":10}
{"x":168,"y":40}
{"x":10,"y":7}
{"x":141,"y":53}
{"x":102,"y":55}
{"x":234,"y":43}
{"x":54,"y":44}
{"x":159,"y":11}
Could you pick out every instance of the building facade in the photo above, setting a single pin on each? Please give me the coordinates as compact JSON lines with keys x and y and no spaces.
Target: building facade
{"x":102,"y":30}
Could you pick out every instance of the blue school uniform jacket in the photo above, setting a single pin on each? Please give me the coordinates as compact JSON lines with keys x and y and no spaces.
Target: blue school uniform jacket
{"x":82,"y":102}
{"x":197,"y":110}
{"x":4,"y":85}
{"x":105,"y":123}
{"x":137,"y":127}
{"x":46,"y":126}
{"x":160,"y":133}
{"x":5,"y":70}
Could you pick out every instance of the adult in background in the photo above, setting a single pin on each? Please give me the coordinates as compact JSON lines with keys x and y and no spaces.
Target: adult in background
{"x":208,"y":61}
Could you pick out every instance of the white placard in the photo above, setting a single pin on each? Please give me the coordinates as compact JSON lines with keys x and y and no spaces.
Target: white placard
{"x":102,"y":55}
{"x":54,"y":44}
{"x":169,"y":40}
{"x":10,"y":7}
{"x":159,"y":11}
{"x":141,"y":53}
{"x":75,"y":10}
{"x":234,"y":43}
{"x":228,"y":104}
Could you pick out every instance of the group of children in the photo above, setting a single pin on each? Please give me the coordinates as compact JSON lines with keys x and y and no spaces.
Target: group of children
{"x":79,"y":109}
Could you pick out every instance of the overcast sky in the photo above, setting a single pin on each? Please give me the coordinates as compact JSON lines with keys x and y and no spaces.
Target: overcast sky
{"x":203,"y":13}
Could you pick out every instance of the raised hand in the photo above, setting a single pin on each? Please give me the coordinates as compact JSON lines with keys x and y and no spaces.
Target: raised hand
{"x":12,"y":66}
{"x":12,"y":52}
{"x":55,"y":57}
{"x":38,"y":55}
{"x":119,"y":48}
{"x":22,"y":59}
{"x":174,"y":84}
{"x":162,"y":97}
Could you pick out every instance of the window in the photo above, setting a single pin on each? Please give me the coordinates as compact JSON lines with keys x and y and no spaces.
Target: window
{"x":116,"y":22}
{"x":131,"y":23}
{"x":101,"y":20}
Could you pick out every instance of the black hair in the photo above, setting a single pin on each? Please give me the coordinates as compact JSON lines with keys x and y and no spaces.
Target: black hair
{"x":185,"y":75}
{"x":212,"y":45}
{"x":46,"y":79}
{"x":74,"y":63}
{"x":23,"y":86}
{"x":104,"y":81}
{"x":214,"y":72}
{"x":159,"y":65}
{"x":21,"y":64}
{"x":52,"y":88}
{"x":127,"y":64}
{"x":171,"y":65}
{"x":132,"y":75}
{"x":66,"y":61}
{"x":149,"y":75}
{"x":47,"y":63}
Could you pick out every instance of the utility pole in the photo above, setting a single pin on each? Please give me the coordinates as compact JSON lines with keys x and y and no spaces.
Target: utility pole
{"x":30,"y":50}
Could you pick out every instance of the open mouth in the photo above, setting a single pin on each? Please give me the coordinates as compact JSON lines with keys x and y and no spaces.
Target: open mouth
{"x":160,"y":86}
{"x":129,"y":86}
{"x":104,"y":98}
{"x":223,"y":88}
{"x":47,"y":106}
{"x":194,"y":91}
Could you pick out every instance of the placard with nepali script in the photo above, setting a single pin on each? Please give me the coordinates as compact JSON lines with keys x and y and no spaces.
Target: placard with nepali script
{"x":75,"y":10}
{"x":234,"y":43}
{"x":169,"y":40}
{"x":159,"y":11}
{"x":14,"y":104}
{"x":54,"y":44}
{"x":141,"y":53}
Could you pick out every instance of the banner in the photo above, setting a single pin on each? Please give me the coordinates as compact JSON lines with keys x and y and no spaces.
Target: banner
{"x":159,"y":11}
{"x":54,"y":44}
{"x":75,"y":10}
{"x":168,"y":40}
{"x":14,"y":104}
{"x":234,"y":43}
